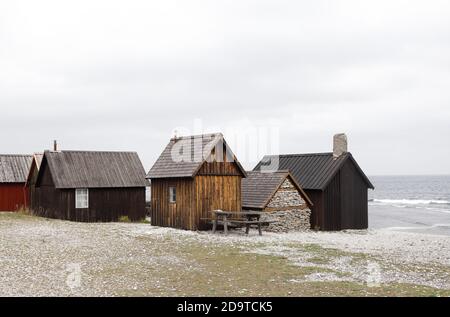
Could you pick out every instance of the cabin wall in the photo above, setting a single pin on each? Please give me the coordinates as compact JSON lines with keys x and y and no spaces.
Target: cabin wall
{"x":343,"y":204}
{"x":354,"y":200}
{"x":215,"y":192}
{"x":175,"y":215}
{"x":32,"y":189}
{"x":331,"y":217}
{"x":317,"y":212}
{"x":219,"y":168}
{"x":13,"y":196}
{"x":105,"y":204}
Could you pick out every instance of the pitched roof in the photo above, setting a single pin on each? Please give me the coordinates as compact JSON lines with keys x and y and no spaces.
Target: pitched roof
{"x":35,"y":161}
{"x":38,"y":159}
{"x":14,"y":168}
{"x":89,"y":169}
{"x":313,"y":171}
{"x":184,"y":156}
{"x":259,"y":187}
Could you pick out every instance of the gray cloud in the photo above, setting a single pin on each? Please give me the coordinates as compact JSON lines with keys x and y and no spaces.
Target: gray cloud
{"x":123,"y":74}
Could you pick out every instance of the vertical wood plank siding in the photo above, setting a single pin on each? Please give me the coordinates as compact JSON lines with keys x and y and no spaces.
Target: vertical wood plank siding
{"x":166,"y":214}
{"x":354,"y":206}
{"x":105,"y":204}
{"x":13,"y":197}
{"x":216,"y":192}
{"x":216,"y":186}
{"x":316,"y":197}
{"x":343,"y":204}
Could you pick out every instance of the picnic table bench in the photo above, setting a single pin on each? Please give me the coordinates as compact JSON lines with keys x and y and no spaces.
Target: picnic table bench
{"x":221,"y":217}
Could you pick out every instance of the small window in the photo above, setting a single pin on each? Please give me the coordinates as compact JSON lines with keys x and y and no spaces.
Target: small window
{"x":148,"y":194}
{"x":81,"y":198}
{"x":172,"y":194}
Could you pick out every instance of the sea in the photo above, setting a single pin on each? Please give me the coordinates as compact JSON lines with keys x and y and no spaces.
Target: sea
{"x":410,"y":203}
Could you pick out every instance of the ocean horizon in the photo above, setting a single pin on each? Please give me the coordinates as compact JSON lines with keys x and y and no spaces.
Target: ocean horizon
{"x":417,"y":203}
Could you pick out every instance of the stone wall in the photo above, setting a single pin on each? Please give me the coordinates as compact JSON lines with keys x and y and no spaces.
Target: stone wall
{"x":288,"y":220}
{"x":287,"y":197}
{"x":288,"y":209}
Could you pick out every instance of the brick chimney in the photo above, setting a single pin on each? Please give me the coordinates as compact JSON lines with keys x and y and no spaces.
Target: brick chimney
{"x":55,"y":146}
{"x":339,"y":145}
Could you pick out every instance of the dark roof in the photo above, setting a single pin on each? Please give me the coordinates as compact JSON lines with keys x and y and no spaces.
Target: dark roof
{"x":89,"y":169}
{"x":187,"y":165}
{"x":14,"y":168}
{"x":313,"y":171}
{"x":258,"y":188}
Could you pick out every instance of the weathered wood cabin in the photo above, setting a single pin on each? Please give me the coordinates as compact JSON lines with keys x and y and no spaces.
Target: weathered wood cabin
{"x":194,"y":175}
{"x":32,"y":178}
{"x":90,"y":186}
{"x":273,"y":191}
{"x":13,"y":175}
{"x":335,"y":183}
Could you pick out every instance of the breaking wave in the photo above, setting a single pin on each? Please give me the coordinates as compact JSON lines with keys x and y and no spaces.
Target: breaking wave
{"x":410,"y":201}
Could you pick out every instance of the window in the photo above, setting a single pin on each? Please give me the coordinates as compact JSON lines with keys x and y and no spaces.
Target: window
{"x":172,"y":194}
{"x":81,"y":198}
{"x":148,"y":194}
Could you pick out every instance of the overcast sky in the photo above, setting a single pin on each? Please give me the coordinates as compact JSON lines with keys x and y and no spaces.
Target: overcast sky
{"x":122,"y":75}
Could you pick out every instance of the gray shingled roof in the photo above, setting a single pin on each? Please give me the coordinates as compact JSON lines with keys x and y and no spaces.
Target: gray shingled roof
{"x":88,"y":169}
{"x":14,"y":168}
{"x":258,"y":188}
{"x":175,"y":161}
{"x":313,"y":171}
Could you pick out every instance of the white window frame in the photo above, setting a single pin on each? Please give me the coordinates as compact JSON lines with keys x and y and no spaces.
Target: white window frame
{"x":81,"y":198}
{"x":172,"y":194}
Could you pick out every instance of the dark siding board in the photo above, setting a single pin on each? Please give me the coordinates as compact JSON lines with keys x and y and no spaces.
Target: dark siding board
{"x":332,"y":205}
{"x":354,"y":206}
{"x":343,"y":204}
{"x":316,"y":197}
{"x":105,"y":204}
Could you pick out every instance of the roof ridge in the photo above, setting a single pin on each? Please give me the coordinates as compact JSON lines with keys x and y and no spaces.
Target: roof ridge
{"x":302,"y":154}
{"x":88,"y":151}
{"x":19,"y":155}
{"x":195,"y":136}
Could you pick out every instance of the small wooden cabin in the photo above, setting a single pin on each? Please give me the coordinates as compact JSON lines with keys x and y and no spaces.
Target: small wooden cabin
{"x":273,"y":191}
{"x":90,"y":186}
{"x":335,"y":183}
{"x":13,"y":175}
{"x":194,"y":175}
{"x":32,"y":178}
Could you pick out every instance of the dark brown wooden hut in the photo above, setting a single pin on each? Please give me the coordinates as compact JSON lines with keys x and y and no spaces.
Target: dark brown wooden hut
{"x":13,"y":175}
{"x":194,"y":175}
{"x":90,"y":186}
{"x":335,"y":183}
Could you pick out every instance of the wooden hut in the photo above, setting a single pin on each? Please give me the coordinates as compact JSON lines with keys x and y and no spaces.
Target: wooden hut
{"x":273,"y":191}
{"x":335,"y":183}
{"x":13,"y":175}
{"x":194,"y":175}
{"x":32,"y":178}
{"x":90,"y":186}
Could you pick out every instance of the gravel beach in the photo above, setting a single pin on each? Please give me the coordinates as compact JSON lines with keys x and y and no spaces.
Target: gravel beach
{"x":42,"y":257}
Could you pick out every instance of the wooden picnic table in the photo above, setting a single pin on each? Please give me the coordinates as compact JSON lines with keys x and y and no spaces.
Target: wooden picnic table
{"x":252,"y":218}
